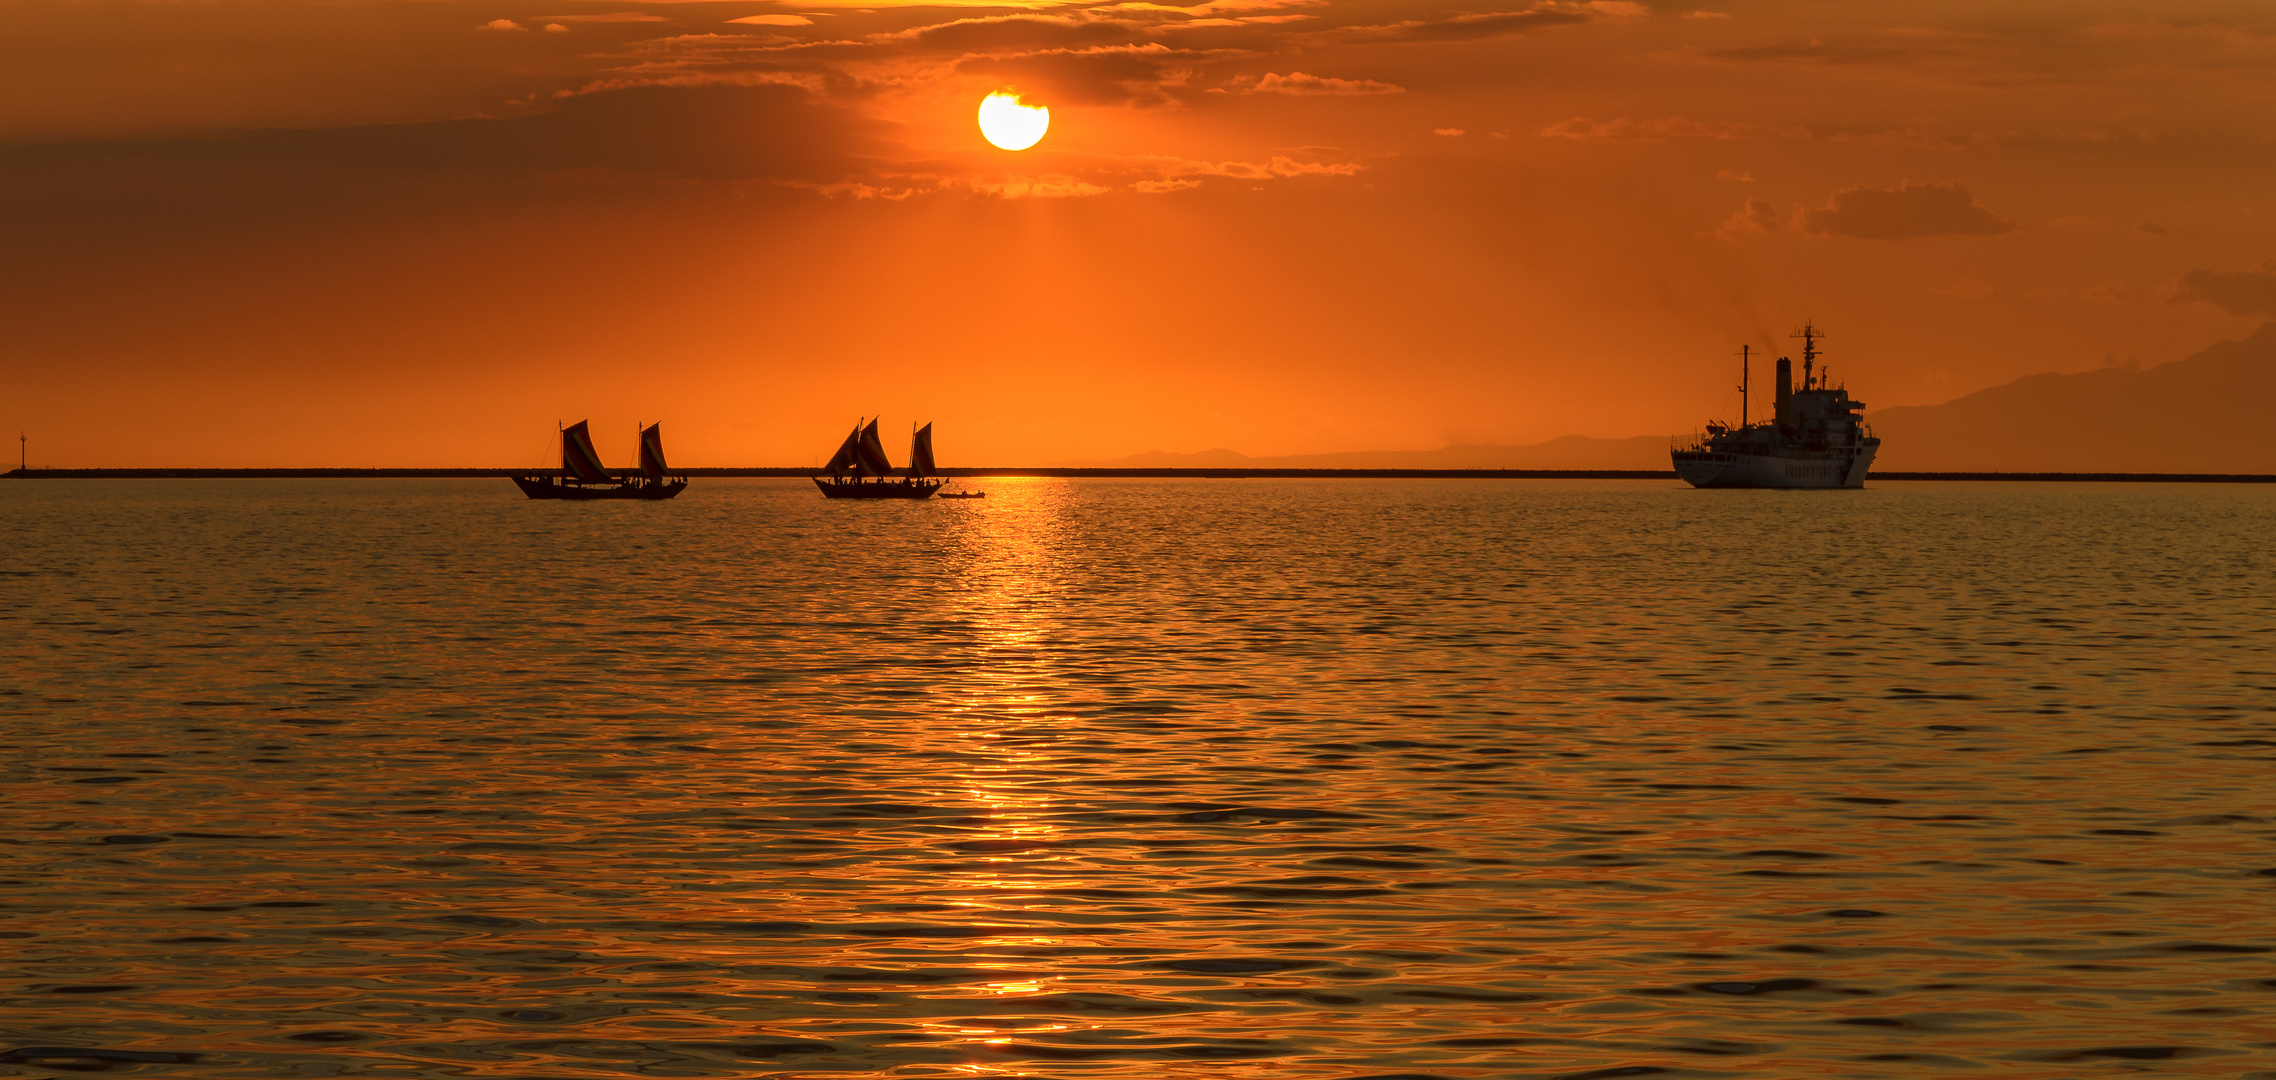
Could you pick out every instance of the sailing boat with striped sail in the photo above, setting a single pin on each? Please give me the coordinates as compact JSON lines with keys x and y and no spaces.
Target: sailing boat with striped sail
{"x":583,"y":476}
{"x":860,"y":469}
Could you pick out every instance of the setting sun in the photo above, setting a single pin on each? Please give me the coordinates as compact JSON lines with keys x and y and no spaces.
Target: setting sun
{"x":1011,"y":125}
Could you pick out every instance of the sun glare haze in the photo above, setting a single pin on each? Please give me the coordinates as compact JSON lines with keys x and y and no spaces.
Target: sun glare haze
{"x":1010,"y":123}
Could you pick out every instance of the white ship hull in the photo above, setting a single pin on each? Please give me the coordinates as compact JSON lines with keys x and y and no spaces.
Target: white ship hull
{"x":1830,"y":469}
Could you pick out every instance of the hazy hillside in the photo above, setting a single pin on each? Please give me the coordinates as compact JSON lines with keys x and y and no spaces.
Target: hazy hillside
{"x":2208,"y":413}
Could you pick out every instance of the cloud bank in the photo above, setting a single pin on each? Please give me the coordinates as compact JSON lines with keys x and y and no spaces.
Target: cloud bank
{"x":1908,"y":212}
{"x":2238,"y":292}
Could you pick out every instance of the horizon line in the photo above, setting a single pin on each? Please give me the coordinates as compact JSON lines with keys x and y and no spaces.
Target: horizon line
{"x":1056,"y":472}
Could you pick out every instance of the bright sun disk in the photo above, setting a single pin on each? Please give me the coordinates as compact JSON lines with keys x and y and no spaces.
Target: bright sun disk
{"x":1011,"y":125}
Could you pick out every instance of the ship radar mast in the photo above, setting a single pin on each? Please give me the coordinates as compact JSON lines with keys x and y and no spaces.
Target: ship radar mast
{"x":1809,"y":335}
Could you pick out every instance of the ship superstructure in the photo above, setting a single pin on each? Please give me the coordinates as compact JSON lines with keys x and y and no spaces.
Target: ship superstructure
{"x":1816,"y":439}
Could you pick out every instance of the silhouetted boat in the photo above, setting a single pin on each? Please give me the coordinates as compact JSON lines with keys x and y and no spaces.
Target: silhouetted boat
{"x":860,"y":469}
{"x":963,"y":495}
{"x":1816,"y":440}
{"x":583,"y":477}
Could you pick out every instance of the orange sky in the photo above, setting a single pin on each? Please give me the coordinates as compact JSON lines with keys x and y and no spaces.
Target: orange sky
{"x":266,"y":232}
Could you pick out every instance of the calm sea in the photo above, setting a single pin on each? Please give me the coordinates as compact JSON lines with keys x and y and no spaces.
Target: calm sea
{"x":1190,"y":778}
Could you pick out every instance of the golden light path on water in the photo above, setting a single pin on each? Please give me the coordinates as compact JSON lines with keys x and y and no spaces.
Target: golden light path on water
{"x":1008,"y":719}
{"x":1322,"y":780}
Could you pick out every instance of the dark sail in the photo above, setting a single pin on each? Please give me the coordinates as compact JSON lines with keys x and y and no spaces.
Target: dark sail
{"x":848,"y":453}
{"x":652,"y":451}
{"x":863,"y":455}
{"x":870,"y":454}
{"x":578,"y":458}
{"x":583,"y":477}
{"x":921,"y":454}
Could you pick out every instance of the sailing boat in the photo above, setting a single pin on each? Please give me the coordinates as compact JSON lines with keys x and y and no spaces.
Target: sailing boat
{"x":583,"y":476}
{"x":860,"y":469}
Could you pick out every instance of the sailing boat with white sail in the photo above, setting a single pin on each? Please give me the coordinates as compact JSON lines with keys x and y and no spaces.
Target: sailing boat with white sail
{"x":583,"y":476}
{"x":860,"y":469}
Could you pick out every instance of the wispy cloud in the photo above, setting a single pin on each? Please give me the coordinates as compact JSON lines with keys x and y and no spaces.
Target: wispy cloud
{"x":1662,"y":129}
{"x":1757,"y":216}
{"x":1297,"y":82}
{"x":611,"y":17}
{"x":1048,"y":186}
{"x":1276,"y":168}
{"x":1473,"y":27}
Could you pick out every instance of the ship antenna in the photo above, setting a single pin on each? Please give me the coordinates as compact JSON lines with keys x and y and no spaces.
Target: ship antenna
{"x":1746,"y":367}
{"x":1809,"y":335}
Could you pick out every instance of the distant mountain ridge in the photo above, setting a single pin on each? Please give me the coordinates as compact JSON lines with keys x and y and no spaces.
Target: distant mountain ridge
{"x":2208,"y":413}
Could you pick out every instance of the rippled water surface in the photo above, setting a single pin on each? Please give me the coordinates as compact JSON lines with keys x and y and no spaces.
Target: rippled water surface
{"x":1306,"y":779}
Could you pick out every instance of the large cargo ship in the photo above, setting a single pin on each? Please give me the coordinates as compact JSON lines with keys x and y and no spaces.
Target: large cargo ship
{"x":1815,"y":440}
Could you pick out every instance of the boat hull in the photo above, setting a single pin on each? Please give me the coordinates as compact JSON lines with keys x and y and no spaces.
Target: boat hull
{"x":1722,"y":469}
{"x":550,"y":487}
{"x":877,"y":489}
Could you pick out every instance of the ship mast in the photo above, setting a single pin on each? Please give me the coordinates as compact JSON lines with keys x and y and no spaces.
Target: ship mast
{"x":1809,"y":335}
{"x":1745,"y":373}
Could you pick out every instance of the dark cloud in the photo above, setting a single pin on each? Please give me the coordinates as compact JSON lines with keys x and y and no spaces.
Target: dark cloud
{"x":2055,"y":43}
{"x":1471,"y":27}
{"x":1843,"y":51}
{"x":1908,"y":212}
{"x":1114,"y":75}
{"x":2238,"y":292}
{"x":1141,"y":57}
{"x":1017,"y":33}
{"x":711,"y":132}
{"x":1096,"y":60}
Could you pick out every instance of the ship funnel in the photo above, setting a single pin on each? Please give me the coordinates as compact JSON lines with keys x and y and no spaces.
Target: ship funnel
{"x":1785,"y":391}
